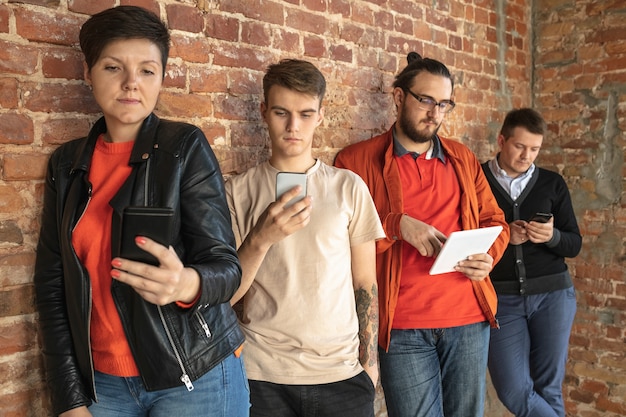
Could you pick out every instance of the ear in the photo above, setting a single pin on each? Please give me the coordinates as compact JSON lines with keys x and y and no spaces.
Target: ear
{"x":86,"y":73}
{"x":398,"y":96}
{"x":263,"y":109}
{"x":501,"y":140}
{"x":320,"y":116}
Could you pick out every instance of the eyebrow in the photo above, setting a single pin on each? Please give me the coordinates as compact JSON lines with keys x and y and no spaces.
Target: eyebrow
{"x":148,"y":61}
{"x":298,"y":111}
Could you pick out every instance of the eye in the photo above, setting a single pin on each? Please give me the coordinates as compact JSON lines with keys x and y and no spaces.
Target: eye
{"x":280,"y":113}
{"x":111,"y":68}
{"x":148,"y":72}
{"x":428,"y":101}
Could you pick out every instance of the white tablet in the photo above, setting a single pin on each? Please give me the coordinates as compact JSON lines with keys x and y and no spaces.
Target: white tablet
{"x":461,"y":244}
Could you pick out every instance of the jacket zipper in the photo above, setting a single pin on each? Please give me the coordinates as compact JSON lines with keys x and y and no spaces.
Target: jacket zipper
{"x":203,"y":324}
{"x":184,"y":377}
{"x":90,"y":307}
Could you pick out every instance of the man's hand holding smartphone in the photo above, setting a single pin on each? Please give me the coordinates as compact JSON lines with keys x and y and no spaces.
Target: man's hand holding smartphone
{"x":540,"y":228}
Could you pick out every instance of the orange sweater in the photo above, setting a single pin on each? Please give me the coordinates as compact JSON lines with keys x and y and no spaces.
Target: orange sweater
{"x":374,"y":161}
{"x":92,"y":241}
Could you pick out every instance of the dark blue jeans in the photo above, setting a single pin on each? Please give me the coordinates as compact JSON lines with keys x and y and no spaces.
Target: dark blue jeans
{"x":221,"y":392}
{"x":527,"y":354}
{"x":436,"y":372}
{"x":353,"y":397}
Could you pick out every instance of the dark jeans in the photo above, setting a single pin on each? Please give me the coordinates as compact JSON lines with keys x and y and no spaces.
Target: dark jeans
{"x":353,"y":397}
{"x":527,"y":354}
{"x":436,"y":372}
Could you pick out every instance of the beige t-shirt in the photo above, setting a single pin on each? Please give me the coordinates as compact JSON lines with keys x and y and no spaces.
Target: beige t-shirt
{"x":299,"y":315}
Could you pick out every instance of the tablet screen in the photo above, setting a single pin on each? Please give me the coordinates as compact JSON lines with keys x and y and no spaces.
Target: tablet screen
{"x":461,"y":244}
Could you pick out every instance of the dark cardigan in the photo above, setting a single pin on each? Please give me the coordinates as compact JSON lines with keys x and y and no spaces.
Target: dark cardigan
{"x":532,"y":268}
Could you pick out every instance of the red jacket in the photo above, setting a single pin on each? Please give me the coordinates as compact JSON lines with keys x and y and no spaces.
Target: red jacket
{"x":374,"y":161}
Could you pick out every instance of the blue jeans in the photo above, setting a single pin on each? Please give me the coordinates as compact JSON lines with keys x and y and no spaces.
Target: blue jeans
{"x":353,"y":397}
{"x":527,"y":354}
{"x":221,"y":392}
{"x":436,"y":372}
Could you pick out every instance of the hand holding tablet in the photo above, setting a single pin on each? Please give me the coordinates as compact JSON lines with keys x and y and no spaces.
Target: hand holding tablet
{"x":461,"y":244}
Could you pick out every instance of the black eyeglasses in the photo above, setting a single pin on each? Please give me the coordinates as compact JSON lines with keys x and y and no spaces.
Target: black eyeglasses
{"x":427,"y":103}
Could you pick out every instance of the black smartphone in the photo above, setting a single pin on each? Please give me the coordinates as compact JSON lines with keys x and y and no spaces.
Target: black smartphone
{"x":153,"y":222}
{"x":285,"y":181}
{"x":541,"y":217}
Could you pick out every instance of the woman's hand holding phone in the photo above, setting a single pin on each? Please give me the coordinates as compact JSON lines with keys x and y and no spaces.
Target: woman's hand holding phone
{"x":169,"y":282}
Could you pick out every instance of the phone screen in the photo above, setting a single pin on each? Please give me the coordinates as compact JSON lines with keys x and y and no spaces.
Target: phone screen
{"x":153,"y":222}
{"x":285,"y":181}
{"x":541,"y":217}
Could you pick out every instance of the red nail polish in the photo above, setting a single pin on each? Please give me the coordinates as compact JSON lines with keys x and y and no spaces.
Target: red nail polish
{"x":140,"y":240}
{"x":116,"y":263}
{"x":115,"y":273}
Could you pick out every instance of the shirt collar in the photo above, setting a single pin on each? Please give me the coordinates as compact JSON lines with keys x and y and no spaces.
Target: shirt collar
{"x":435,"y":150}
{"x":500,"y":173}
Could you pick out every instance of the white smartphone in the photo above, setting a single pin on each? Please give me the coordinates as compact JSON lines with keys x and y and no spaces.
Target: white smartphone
{"x":285,"y":181}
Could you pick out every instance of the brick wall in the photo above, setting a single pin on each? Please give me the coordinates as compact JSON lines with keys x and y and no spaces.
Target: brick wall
{"x":580,"y":86}
{"x":220,"y":51}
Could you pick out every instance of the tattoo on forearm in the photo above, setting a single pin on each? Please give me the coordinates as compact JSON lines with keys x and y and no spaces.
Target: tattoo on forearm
{"x":367,"y":313}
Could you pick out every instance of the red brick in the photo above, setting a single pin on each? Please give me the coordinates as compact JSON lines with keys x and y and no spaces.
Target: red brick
{"x":403,"y":25}
{"x":240,"y":56}
{"x":64,"y":63}
{"x":17,"y":59}
{"x":307,"y":22}
{"x":214,"y":132}
{"x":184,"y":17}
{"x":314,"y":47}
{"x":340,"y":53}
{"x":8,"y":94}
{"x":231,"y":107}
{"x":255,"y":33}
{"x":175,"y":76}
{"x":89,"y":7}
{"x":16,"y":269}
{"x":204,"y":79}
{"x":16,"y":128}
{"x":271,"y":12}
{"x":22,"y":167}
{"x":57,"y":97}
{"x":17,"y":301}
{"x":17,"y":336}
{"x":245,"y":82}
{"x":222,"y":27}
{"x":152,"y":5}
{"x":184,"y":105}
{"x":190,"y":49}
{"x":58,"y":131}
{"x":315,"y":5}
{"x":286,"y":41}
{"x":29,"y":401}
{"x":4,"y":19}
{"x":341,"y":7}
{"x":362,"y":13}
{"x":61,"y":28}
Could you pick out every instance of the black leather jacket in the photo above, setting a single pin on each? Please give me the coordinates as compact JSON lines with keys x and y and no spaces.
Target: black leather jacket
{"x":173,"y":166}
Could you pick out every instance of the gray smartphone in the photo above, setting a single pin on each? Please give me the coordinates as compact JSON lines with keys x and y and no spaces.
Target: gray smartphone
{"x":541,"y":217}
{"x":285,"y":181}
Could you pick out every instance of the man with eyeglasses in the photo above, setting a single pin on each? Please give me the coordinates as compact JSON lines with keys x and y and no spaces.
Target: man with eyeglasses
{"x":434,"y":329}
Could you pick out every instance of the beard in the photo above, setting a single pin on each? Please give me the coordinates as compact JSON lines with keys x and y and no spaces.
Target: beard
{"x":409,"y":129}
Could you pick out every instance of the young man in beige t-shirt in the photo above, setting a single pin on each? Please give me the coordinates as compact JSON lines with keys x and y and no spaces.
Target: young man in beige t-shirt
{"x":310,"y":302}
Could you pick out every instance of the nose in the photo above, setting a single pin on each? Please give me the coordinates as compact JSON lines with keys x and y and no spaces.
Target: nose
{"x":131,"y":82}
{"x":436,"y":111}
{"x":292,"y":124}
